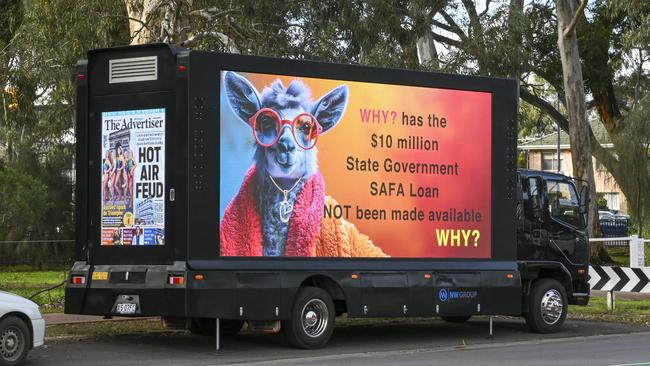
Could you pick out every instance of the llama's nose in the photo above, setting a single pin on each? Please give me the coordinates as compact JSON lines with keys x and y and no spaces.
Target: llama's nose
{"x":285,"y":145}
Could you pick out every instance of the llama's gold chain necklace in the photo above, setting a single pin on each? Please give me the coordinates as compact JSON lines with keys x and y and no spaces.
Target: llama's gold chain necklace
{"x":285,"y":206}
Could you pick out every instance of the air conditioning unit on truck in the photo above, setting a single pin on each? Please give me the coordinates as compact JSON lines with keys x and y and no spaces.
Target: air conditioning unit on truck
{"x":284,"y":193}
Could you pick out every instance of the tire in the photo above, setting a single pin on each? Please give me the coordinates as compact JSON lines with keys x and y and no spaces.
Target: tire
{"x":208,"y":327}
{"x":456,"y":319}
{"x":550,"y":317}
{"x":312,"y":319}
{"x":15,"y":341}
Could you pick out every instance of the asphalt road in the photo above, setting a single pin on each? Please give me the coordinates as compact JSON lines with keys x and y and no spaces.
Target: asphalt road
{"x":430,"y":342}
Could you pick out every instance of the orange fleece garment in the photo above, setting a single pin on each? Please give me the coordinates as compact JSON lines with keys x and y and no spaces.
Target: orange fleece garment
{"x":340,"y":238}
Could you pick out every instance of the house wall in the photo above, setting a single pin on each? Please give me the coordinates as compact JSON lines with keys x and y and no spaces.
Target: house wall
{"x":535,"y":160}
{"x":605,"y":183}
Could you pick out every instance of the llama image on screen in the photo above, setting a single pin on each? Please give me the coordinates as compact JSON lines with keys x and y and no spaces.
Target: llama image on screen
{"x":278,"y":210}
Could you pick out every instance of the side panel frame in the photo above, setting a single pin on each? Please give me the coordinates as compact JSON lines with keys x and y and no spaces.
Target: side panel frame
{"x":204,"y":120}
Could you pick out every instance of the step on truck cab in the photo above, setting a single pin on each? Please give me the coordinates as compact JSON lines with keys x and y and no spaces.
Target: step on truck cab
{"x":284,"y":193}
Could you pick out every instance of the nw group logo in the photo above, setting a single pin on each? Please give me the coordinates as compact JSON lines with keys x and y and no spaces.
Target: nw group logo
{"x":445,"y":295}
{"x":442,"y":295}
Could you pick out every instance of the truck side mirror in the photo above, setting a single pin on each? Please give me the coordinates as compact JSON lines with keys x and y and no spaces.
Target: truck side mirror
{"x":584,"y":199}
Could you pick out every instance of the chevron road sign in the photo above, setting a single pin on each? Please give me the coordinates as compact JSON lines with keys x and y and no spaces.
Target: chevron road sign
{"x":622,"y":279}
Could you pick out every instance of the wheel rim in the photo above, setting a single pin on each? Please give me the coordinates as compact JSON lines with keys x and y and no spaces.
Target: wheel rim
{"x":11,"y":344}
{"x":552,"y":306}
{"x":315,"y":318}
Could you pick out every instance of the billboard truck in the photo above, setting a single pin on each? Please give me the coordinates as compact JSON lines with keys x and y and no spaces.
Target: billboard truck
{"x":217,"y":189}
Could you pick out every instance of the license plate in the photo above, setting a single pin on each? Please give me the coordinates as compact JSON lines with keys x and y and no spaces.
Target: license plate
{"x":100,"y":276}
{"x":125,"y":308}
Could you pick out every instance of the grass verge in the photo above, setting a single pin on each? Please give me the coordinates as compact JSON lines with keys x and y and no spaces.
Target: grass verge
{"x":27,"y":283}
{"x":621,"y":255}
{"x":104,"y":329}
{"x":635,"y":311}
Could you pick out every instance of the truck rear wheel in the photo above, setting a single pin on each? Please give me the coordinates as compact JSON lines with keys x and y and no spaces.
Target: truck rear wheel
{"x":312,"y":319}
{"x":15,"y":341}
{"x":547,"y":306}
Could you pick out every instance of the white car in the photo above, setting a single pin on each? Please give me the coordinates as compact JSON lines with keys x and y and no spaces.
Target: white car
{"x":21,"y":328}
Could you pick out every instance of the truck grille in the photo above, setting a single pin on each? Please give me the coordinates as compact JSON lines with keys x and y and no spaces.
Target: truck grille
{"x":127,"y":70}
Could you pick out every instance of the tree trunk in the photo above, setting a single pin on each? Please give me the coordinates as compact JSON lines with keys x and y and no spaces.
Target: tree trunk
{"x":515,"y":16}
{"x":158,"y":20}
{"x":141,"y":14}
{"x":576,"y":107}
{"x":427,"y":54}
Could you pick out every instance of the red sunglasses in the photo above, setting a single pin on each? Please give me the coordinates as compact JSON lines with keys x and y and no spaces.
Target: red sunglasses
{"x":267,"y":125}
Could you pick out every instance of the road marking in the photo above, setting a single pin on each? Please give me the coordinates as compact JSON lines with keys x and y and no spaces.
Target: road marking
{"x":633,"y":364}
{"x":305,"y":360}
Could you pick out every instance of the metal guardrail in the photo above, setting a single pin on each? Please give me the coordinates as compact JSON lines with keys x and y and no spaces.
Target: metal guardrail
{"x":622,"y":241}
{"x":636,"y":245}
{"x":617,"y":241}
{"x":635,"y":278}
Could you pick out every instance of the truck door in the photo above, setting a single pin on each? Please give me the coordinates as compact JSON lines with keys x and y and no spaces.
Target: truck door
{"x":566,"y":229}
{"x":532,"y":233}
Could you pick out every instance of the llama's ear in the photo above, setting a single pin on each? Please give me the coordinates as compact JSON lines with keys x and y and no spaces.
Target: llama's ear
{"x":242,"y":96}
{"x":330,"y":108}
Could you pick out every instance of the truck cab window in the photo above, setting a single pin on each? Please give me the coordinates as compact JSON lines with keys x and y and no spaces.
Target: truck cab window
{"x":564,"y":204}
{"x":533,"y":193}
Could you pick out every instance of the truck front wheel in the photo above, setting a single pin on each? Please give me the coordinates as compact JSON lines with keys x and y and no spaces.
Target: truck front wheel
{"x":312,"y":319}
{"x":547,"y":306}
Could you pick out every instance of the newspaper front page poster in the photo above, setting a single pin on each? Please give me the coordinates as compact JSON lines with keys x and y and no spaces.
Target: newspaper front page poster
{"x":133,"y":177}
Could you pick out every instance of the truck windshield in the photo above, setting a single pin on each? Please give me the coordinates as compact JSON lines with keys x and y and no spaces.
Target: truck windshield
{"x":564,"y":204}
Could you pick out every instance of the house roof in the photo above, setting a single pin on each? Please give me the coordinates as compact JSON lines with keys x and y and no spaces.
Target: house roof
{"x":549,"y":141}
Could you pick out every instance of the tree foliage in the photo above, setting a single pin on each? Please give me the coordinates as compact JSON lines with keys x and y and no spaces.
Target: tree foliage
{"x":41,"y":40}
{"x":24,"y":200}
{"x":633,"y":143}
{"x":40,"y":44}
{"x":505,"y":38}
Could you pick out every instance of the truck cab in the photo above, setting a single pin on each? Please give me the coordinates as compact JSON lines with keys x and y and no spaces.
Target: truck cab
{"x":552,"y":240}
